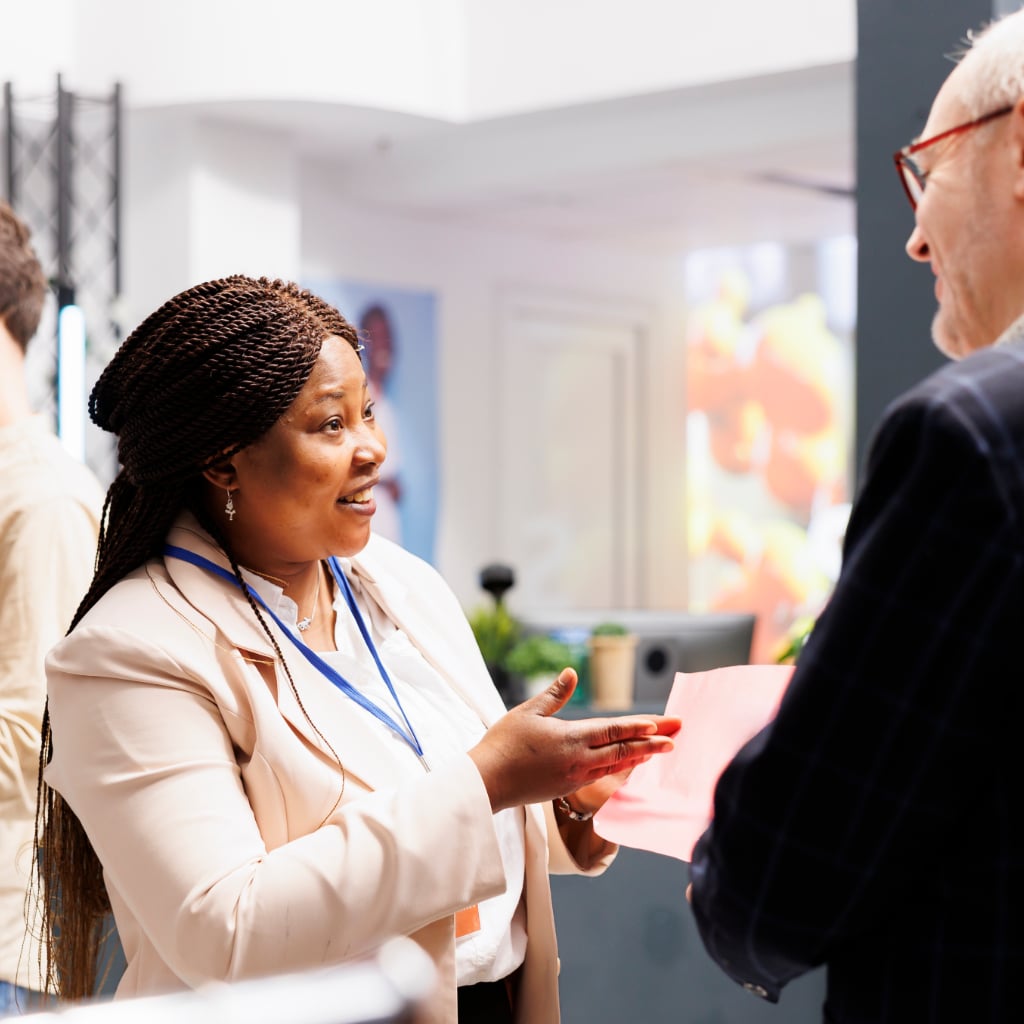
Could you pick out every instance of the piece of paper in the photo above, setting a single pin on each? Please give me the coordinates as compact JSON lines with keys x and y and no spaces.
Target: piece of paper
{"x":666,"y":803}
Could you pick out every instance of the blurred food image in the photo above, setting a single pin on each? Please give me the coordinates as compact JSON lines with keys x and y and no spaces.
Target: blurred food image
{"x":768,"y":438}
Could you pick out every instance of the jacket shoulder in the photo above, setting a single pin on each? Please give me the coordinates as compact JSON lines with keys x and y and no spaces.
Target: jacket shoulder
{"x":974,"y":402}
{"x":142,"y":620}
{"x":383,"y":556}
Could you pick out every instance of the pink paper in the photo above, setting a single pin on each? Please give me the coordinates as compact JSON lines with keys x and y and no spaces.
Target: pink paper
{"x":666,"y":804}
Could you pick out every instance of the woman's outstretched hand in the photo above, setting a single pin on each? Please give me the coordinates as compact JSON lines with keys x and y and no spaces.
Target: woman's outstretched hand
{"x":528,"y":756}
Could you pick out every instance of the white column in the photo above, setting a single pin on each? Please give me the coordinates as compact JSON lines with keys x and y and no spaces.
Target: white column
{"x":244,"y":204}
{"x":203,"y":200}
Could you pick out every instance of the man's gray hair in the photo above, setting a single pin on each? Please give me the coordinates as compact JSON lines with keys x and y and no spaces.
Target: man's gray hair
{"x":994,"y":61}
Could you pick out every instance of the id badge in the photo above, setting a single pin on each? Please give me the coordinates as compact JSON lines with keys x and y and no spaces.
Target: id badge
{"x":467,"y":921}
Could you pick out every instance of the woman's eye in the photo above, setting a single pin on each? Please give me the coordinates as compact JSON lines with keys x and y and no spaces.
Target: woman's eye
{"x":368,"y":411}
{"x":334,"y":424}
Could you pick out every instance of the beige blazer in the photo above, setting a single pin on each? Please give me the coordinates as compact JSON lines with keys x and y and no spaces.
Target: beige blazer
{"x":213,"y":803}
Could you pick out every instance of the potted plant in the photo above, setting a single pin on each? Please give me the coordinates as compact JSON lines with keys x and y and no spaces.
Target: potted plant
{"x":496,"y":633}
{"x":537,"y":660}
{"x":795,"y":641}
{"x":612,"y":666}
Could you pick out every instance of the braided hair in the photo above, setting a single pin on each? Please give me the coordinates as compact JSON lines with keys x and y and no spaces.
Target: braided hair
{"x":203,"y":377}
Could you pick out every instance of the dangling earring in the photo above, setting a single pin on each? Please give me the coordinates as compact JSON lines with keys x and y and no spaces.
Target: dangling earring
{"x":229,"y":508}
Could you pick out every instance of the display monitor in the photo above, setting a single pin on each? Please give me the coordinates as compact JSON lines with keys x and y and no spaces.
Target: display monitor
{"x":667,"y":642}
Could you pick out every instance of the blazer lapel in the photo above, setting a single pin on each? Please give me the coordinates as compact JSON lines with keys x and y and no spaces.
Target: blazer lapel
{"x":327,"y":719}
{"x":338,"y":727}
{"x":216,"y":599}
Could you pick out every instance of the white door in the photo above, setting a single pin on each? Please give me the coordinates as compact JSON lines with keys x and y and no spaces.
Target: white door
{"x":569,"y":477}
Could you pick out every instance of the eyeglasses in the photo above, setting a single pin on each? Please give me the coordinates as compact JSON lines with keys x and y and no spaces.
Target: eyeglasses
{"x":911,"y":175}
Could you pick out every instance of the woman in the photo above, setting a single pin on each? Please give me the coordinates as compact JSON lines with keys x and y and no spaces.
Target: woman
{"x":271,"y":741}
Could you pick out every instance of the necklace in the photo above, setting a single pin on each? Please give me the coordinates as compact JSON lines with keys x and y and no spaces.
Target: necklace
{"x":304,"y":624}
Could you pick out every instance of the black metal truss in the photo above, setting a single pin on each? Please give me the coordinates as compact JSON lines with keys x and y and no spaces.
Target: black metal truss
{"x":62,"y":175}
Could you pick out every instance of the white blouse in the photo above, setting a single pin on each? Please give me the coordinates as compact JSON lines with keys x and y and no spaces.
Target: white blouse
{"x":446,"y":727}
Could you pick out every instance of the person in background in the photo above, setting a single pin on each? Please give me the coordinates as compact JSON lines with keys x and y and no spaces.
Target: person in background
{"x":876,"y":826}
{"x":49,"y":516}
{"x":272,"y":743}
{"x":375,"y":328}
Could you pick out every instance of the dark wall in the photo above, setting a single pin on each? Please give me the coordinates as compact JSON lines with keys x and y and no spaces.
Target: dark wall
{"x":901,"y":62}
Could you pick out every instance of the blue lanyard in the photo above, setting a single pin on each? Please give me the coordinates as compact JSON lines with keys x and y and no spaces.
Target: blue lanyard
{"x":330,"y":673}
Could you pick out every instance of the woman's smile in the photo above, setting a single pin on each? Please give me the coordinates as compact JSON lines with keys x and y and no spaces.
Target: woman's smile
{"x":361,"y":501}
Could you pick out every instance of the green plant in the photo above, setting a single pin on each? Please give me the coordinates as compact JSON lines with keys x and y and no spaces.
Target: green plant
{"x":609,"y":629}
{"x":537,"y":655}
{"x":796,"y":640}
{"x":496,"y":632}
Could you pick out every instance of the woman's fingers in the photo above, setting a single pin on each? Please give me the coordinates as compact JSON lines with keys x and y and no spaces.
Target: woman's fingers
{"x":528,"y":756}
{"x":618,"y":756}
{"x":604,"y":731}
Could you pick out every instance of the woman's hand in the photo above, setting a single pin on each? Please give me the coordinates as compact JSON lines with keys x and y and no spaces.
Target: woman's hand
{"x":528,"y":756}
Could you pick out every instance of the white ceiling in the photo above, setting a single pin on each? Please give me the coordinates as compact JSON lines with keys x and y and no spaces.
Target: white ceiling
{"x":762,"y":158}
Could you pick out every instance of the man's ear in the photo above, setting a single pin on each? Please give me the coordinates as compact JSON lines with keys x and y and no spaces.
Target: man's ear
{"x":222,"y":475}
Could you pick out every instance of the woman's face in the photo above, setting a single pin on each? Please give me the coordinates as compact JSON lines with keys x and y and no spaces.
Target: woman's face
{"x":304,"y":491}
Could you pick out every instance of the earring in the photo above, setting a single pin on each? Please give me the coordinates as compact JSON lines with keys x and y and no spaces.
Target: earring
{"x":229,"y":508}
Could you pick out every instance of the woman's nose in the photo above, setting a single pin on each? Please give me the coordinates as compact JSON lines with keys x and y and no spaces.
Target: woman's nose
{"x":371,"y":447}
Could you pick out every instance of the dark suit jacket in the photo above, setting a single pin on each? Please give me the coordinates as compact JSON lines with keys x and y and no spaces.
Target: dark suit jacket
{"x":876,"y":826}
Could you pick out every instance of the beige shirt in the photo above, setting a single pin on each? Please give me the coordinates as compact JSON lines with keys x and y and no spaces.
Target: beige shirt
{"x":49,"y":517}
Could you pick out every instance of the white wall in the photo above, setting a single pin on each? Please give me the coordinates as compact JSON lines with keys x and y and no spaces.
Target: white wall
{"x":535,"y":54}
{"x":245,"y":204}
{"x":455,"y":60}
{"x":471,"y":270}
{"x":403,"y":55}
{"x":205,"y":198}
{"x":203,"y":201}
{"x":37,"y":41}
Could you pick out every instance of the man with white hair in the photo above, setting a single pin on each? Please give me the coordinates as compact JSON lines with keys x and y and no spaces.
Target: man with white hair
{"x":877,"y":826}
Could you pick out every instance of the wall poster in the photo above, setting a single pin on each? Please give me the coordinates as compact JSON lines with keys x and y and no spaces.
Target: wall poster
{"x":399,"y":331}
{"x":769,"y":384}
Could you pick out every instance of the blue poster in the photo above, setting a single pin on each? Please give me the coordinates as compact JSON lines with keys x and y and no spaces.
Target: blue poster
{"x":398,"y":329}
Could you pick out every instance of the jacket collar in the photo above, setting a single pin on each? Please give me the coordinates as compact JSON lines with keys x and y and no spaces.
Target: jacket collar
{"x":430,"y":630}
{"x":363,"y":746}
{"x":227,"y":607}
{"x":218,"y":600}
{"x":327,"y":719}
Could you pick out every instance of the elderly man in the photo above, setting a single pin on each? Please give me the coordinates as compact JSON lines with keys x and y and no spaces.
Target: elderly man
{"x":877,"y":826}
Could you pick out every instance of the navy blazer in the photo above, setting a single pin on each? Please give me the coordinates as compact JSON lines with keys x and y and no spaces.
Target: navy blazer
{"x":876,"y":826}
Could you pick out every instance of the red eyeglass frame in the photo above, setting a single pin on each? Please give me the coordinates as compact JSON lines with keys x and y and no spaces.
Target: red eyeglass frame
{"x":901,"y":156}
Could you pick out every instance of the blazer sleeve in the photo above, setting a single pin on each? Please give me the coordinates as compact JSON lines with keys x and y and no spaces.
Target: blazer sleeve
{"x":884,"y":736}
{"x":144,"y":758}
